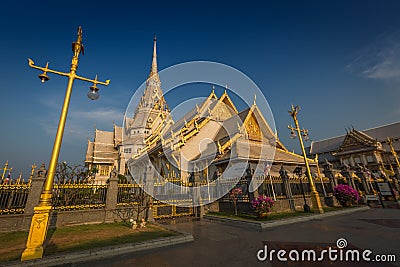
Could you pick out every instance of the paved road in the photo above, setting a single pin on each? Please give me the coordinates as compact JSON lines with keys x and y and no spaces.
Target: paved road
{"x":218,"y":244}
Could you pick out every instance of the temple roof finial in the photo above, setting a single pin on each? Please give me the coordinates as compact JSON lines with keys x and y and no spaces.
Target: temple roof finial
{"x":154,"y":62}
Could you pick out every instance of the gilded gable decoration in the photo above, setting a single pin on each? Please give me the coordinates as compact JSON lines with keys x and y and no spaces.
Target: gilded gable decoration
{"x":252,"y":129}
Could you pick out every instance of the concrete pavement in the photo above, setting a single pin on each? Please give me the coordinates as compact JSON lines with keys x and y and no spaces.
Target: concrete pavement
{"x":217,"y":244}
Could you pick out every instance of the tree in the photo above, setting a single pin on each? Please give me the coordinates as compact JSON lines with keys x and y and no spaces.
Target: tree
{"x":234,"y":196}
{"x":136,"y":202}
{"x":78,"y":173}
{"x":64,"y":195}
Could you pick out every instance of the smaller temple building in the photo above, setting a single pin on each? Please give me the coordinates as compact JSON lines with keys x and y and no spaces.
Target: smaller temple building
{"x":375,"y":149}
{"x":105,"y":152}
{"x":366,"y":160}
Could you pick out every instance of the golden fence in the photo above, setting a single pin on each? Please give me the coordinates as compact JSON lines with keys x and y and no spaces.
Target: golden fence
{"x":162,"y":211}
{"x":273,"y":186}
{"x":13,"y":198}
{"x":129,"y":194}
{"x":79,"y":196}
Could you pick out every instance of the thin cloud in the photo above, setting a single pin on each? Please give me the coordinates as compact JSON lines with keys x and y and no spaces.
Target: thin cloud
{"x":379,"y":60}
{"x":80,"y":123}
{"x":105,"y":114}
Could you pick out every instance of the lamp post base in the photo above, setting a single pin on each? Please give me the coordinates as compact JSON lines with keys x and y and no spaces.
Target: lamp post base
{"x":37,"y":234}
{"x":316,"y":202}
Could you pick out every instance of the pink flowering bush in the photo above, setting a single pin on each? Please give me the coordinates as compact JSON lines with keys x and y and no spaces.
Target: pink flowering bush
{"x":234,"y":195}
{"x":262,"y":204}
{"x":346,"y":195}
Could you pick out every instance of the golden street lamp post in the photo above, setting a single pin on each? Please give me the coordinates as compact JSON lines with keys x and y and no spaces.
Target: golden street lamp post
{"x":396,"y":158}
{"x":315,"y":200}
{"x":40,"y":219}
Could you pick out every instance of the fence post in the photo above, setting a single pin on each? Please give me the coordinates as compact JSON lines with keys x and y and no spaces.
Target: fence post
{"x":363,"y":175}
{"x":197,"y":202}
{"x":34,"y":195}
{"x":149,"y":175}
{"x":348,"y":173}
{"x":35,"y":190}
{"x":287,"y":188}
{"x":111,"y":198}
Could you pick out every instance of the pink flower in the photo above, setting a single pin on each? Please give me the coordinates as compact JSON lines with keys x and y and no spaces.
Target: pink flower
{"x":345,"y":194}
{"x":262,"y":204}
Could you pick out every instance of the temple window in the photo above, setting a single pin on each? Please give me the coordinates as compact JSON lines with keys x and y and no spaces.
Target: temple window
{"x":104,"y":170}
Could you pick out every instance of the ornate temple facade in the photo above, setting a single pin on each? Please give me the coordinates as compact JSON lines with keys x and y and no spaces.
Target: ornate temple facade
{"x":199,"y":147}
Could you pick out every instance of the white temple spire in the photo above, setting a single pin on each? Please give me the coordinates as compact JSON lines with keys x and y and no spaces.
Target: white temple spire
{"x":154,"y":70}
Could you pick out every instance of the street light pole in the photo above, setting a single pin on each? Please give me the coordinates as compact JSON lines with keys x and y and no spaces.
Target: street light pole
{"x":319,"y":175}
{"x":316,"y":202}
{"x":396,"y":158}
{"x":40,"y":219}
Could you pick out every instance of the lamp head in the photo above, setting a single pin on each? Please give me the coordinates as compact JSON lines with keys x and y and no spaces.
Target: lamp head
{"x":292,"y":134}
{"x":305,"y":135}
{"x":93,"y":93}
{"x":43,"y":77}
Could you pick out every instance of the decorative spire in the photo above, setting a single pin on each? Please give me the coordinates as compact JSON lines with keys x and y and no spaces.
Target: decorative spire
{"x":153,"y":70}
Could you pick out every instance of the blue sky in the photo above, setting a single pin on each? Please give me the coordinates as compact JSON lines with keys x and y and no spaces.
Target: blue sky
{"x":339,"y":60}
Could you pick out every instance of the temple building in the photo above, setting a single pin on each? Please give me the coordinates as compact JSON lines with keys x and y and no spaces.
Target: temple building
{"x":198,"y":148}
{"x":105,"y":152}
{"x":368,"y":148}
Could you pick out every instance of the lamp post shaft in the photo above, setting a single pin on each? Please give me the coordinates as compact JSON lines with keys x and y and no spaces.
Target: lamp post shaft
{"x":316,"y":202}
{"x":45,"y":198}
{"x":308,"y":171}
{"x":390,"y":143}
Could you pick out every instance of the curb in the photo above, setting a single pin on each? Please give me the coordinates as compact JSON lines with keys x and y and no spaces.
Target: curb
{"x":105,"y":252}
{"x":262,"y":226}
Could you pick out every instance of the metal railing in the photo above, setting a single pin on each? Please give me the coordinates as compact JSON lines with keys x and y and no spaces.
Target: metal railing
{"x":13,"y":198}
{"x":274,"y":187}
{"x":79,"y":196}
{"x":129,"y":195}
